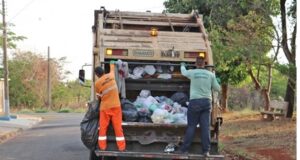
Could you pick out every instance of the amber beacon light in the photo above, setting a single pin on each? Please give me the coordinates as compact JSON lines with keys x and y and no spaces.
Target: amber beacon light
{"x":153,"y":32}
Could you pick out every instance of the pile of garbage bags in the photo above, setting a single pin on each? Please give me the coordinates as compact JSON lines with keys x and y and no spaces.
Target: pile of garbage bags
{"x":162,"y":72}
{"x":159,"y":109}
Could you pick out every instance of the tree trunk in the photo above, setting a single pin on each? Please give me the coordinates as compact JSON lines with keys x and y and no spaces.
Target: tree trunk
{"x":266,"y":99}
{"x":290,"y":97}
{"x":290,"y":55}
{"x":224,"y":100}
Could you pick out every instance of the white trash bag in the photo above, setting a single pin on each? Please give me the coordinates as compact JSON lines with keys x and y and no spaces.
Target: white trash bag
{"x":159,"y":115}
{"x":149,"y":69}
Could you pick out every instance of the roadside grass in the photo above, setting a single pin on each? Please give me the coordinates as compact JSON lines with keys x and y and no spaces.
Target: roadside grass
{"x":41,"y":110}
{"x":80,"y":110}
{"x":25,"y":111}
{"x":65,"y":110}
{"x":244,"y":133}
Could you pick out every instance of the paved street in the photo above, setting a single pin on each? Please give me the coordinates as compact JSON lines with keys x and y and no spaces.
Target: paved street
{"x":57,"y":137}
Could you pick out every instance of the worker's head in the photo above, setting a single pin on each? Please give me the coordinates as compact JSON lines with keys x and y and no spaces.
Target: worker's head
{"x":200,"y":62}
{"x":99,"y":71}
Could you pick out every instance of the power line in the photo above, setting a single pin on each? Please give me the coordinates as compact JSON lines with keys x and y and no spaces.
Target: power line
{"x":21,"y":10}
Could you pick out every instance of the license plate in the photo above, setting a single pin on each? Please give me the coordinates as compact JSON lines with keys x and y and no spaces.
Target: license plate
{"x":143,"y":53}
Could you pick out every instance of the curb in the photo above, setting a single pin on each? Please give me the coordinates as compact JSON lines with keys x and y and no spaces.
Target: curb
{"x":8,"y":132}
{"x":10,"y":135}
{"x":28,"y":117}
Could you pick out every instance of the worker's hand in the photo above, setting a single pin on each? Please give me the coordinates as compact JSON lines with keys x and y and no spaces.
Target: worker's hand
{"x":182,"y":64}
{"x":112,"y":62}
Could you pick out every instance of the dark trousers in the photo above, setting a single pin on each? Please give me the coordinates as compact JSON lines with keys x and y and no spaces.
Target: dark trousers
{"x":198,"y":113}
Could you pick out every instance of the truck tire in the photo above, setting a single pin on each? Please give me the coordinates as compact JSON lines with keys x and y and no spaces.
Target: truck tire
{"x":93,"y":156}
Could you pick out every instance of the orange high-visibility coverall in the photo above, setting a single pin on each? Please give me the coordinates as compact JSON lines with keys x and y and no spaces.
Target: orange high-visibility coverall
{"x":110,"y":109}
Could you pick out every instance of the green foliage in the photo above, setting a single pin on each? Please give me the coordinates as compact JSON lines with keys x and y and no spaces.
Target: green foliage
{"x":279,"y":83}
{"x":70,"y":94}
{"x":12,"y":38}
{"x":20,"y":94}
{"x":240,"y":31}
{"x":28,"y":83}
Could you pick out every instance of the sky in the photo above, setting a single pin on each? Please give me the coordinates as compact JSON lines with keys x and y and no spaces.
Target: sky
{"x":65,"y":26}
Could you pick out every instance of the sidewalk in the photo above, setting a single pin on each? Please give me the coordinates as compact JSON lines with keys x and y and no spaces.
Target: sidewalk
{"x":9,"y":129}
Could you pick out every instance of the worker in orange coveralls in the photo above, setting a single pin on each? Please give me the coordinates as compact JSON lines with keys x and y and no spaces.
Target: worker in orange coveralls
{"x":110,"y":107}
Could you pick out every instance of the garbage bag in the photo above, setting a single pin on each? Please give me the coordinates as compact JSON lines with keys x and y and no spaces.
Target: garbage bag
{"x":159,"y":115}
{"x":166,"y":107}
{"x":144,"y":115}
{"x":169,"y":119}
{"x":180,"y":118}
{"x":89,"y":125}
{"x":165,"y":100}
{"x":149,"y":101}
{"x":138,"y":72}
{"x":180,"y":98}
{"x":129,"y":111}
{"x":150,"y":69}
{"x":139,"y":102}
{"x":164,"y":76}
{"x":145,"y":93}
{"x":153,"y":107}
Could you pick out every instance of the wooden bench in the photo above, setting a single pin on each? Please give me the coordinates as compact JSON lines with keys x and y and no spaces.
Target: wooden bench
{"x":277,"y":109}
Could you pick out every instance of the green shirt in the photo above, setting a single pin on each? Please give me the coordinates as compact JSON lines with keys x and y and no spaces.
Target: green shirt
{"x":202,"y":82}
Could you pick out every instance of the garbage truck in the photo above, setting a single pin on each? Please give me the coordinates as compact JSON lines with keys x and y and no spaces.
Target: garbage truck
{"x":157,"y":39}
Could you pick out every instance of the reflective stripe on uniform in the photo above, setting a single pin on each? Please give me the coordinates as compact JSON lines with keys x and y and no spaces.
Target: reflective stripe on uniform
{"x":106,"y":91}
{"x":101,"y":138}
{"x":120,"y":138}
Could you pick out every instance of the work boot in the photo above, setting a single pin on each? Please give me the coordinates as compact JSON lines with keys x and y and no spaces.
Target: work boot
{"x":206,"y":154}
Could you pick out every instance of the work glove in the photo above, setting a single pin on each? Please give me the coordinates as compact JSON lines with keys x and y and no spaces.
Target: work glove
{"x":182,"y":64}
{"x":112,"y":62}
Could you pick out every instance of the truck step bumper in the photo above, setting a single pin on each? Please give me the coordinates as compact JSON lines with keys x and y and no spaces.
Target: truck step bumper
{"x":157,"y":155}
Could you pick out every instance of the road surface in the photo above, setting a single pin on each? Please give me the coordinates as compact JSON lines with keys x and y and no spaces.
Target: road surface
{"x":57,"y":137}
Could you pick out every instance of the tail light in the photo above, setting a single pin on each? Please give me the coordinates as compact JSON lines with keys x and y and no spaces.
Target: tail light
{"x":194,"y":54}
{"x":117,"y":52}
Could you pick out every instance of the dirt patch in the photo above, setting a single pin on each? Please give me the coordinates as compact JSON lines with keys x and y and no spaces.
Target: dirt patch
{"x":274,"y":154}
{"x":248,"y":136}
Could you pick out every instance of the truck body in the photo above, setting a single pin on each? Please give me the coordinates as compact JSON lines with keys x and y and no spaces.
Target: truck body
{"x":159,"y":39}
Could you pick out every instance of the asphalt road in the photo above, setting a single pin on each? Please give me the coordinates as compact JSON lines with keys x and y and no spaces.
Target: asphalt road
{"x":57,"y":137}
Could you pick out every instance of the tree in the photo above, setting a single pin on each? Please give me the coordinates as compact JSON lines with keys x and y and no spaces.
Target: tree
{"x":28,"y":79}
{"x":244,"y":34}
{"x":289,"y":49}
{"x":12,"y":38}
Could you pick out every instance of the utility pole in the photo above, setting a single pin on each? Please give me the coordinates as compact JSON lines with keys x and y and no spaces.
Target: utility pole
{"x":49,"y":82}
{"x":5,"y":67}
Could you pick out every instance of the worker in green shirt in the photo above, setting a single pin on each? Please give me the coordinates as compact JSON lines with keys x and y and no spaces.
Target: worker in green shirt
{"x":199,"y":108}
